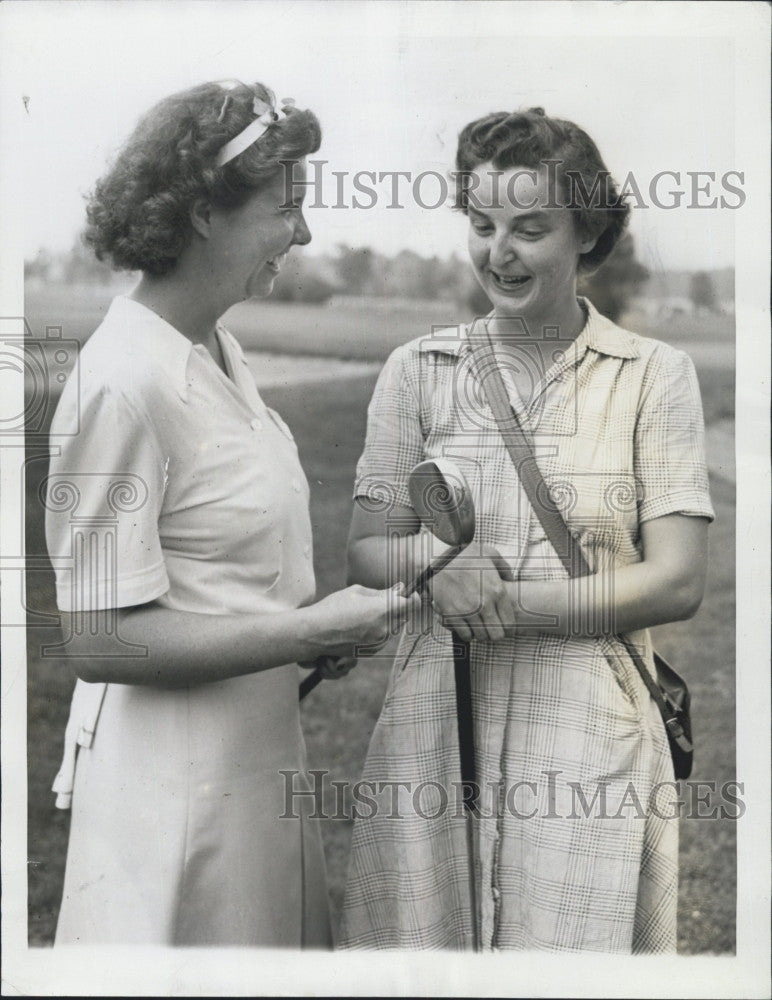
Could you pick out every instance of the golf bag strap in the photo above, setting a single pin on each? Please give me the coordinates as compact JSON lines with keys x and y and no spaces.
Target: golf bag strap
{"x":521,"y":452}
{"x":566,"y":545}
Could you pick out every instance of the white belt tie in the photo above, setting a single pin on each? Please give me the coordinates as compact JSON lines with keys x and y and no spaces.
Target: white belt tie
{"x":81,"y":726}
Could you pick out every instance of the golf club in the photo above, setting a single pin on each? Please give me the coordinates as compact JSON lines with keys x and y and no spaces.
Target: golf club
{"x":442,"y":499}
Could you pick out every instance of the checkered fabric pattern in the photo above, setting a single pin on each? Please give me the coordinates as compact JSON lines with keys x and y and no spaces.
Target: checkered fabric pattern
{"x":576,"y":847}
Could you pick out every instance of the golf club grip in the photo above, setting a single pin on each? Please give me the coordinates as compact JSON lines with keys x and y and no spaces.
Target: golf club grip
{"x":309,"y":683}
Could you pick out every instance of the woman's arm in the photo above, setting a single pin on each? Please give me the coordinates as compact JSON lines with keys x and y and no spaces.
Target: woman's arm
{"x":383,"y":546}
{"x":667,"y":585}
{"x":177,"y":648}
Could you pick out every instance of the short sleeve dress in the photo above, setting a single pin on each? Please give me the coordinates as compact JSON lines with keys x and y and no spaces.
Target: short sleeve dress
{"x":172,"y":482}
{"x":576,"y":848}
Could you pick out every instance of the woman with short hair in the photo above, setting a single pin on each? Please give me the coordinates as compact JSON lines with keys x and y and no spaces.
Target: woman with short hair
{"x":179,"y":529}
{"x":576,"y":843}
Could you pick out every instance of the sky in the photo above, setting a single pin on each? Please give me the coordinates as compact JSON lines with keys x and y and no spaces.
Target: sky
{"x":392,"y":83}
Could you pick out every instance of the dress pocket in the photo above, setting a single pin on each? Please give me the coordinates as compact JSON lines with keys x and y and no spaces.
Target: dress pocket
{"x":616,"y":660}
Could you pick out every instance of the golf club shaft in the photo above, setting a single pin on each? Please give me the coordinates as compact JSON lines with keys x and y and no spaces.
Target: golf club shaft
{"x":308,"y":684}
{"x":434,"y":567}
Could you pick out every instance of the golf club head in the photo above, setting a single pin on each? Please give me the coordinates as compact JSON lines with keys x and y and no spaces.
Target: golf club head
{"x":442,"y":499}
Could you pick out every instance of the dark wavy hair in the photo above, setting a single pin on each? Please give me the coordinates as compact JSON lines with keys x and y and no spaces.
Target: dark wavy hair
{"x":139,"y":212}
{"x":529,"y":139}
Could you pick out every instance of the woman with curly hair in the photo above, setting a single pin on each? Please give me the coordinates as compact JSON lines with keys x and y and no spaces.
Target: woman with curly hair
{"x":178,"y":525}
{"x":575,"y":842}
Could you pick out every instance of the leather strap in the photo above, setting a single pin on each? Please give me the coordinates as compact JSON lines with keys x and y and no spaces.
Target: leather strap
{"x":566,"y":545}
{"x":521,"y":452}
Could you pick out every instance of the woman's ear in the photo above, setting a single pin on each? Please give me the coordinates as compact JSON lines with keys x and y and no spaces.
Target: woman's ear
{"x":201,"y":217}
{"x":587,"y":242}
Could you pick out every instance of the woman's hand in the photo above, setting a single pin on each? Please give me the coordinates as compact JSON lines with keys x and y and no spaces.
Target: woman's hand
{"x":471,"y":597}
{"x":332,"y":668}
{"x":178,"y":648}
{"x":360,"y":616}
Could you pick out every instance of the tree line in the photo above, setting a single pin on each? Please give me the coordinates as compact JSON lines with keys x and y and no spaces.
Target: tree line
{"x":364,"y":272}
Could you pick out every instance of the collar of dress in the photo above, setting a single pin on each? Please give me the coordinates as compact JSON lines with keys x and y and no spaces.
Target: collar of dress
{"x":599,"y":334}
{"x":161,"y":342}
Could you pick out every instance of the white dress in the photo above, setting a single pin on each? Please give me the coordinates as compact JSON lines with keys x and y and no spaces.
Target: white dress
{"x":171,"y":482}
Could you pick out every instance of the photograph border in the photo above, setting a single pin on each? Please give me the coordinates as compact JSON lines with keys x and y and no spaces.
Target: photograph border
{"x":231,"y":972}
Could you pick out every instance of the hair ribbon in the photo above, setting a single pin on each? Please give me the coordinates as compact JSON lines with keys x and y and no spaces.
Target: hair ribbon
{"x":266,"y":116}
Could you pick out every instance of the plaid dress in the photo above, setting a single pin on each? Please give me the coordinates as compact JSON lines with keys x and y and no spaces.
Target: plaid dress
{"x":576,"y":847}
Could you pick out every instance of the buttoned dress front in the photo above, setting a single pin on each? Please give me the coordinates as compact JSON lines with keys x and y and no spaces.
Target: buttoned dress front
{"x":174,"y":483}
{"x":576,"y":847}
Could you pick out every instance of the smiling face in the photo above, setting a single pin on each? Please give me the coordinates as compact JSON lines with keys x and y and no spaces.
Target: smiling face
{"x":248,"y":245}
{"x":524,"y":254}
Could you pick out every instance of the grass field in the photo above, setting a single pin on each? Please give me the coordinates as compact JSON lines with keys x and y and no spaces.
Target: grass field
{"x":328,"y":422}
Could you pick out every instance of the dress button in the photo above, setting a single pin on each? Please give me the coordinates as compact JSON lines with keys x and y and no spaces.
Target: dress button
{"x":496,"y":894}
{"x":256,"y":424}
{"x":296,"y":485}
{"x":307,"y":551}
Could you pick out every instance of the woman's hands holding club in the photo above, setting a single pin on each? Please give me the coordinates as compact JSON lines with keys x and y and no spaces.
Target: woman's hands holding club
{"x":356,"y":618}
{"x":471,"y":597}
